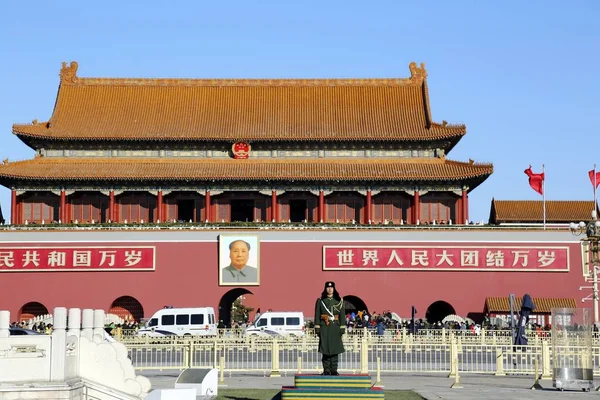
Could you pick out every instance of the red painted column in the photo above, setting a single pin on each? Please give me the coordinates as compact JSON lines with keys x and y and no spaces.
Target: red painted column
{"x":207,"y":206}
{"x":13,"y":207}
{"x":274,"y":206}
{"x":321,"y":206}
{"x":62,"y":212}
{"x":111,"y":205}
{"x":417,"y":207}
{"x":159,"y":207}
{"x":465,"y":205}
{"x":369,"y":207}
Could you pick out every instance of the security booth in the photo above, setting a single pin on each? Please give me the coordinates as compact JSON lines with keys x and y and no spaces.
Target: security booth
{"x":572,"y":357}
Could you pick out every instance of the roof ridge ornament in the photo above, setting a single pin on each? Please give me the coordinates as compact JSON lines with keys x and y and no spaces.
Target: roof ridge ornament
{"x":69,"y":74}
{"x":417,"y":73}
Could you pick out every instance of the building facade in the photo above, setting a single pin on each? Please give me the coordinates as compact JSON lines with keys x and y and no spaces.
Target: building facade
{"x":440,"y":270}
{"x":321,"y":172}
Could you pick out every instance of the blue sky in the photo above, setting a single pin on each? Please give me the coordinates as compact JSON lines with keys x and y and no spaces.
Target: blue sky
{"x":523,"y":76}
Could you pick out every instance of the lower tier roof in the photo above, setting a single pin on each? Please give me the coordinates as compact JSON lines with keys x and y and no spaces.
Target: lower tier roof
{"x":170,"y":169}
{"x":532,"y":211}
{"x":542,"y":304}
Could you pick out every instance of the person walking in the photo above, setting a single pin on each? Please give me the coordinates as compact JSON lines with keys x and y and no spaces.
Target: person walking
{"x":330,"y":323}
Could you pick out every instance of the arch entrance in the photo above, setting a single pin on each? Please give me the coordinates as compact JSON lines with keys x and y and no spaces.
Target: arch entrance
{"x":438,"y":310}
{"x":354,"y":304}
{"x":31,"y":310}
{"x":128,"y":308}
{"x":237,"y":306}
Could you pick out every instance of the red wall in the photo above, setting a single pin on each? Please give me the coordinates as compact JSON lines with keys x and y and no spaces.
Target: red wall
{"x":291,"y":275}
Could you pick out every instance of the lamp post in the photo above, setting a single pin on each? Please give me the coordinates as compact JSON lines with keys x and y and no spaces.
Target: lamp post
{"x":591,"y":230}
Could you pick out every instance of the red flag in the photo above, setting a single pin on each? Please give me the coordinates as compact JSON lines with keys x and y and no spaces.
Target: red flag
{"x":595,"y":182}
{"x":536,"y":181}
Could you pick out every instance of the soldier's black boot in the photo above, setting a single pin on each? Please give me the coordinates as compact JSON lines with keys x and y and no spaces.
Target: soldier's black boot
{"x":326,"y":365}
{"x":334,"y":365}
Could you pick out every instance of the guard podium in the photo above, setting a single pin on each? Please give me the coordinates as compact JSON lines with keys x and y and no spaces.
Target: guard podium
{"x":339,"y":387}
{"x":204,"y":380}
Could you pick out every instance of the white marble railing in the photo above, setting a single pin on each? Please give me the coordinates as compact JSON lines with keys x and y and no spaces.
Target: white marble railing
{"x":77,"y":352}
{"x":49,"y":319}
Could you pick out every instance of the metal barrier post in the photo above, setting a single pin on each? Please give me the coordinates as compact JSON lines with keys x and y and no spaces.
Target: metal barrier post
{"x":482,"y":333}
{"x":499,"y":362}
{"x":186,"y":356}
{"x":408,"y":343}
{"x":444,"y":335}
{"x":364,"y":355}
{"x":252,"y":347}
{"x":275,"y":359}
{"x":546,"y":370}
{"x":303,"y":348}
{"x":299,"y":364}
{"x":378,"y":382}
{"x":453,"y":358}
{"x":216,"y":353}
{"x":222,"y":369}
{"x":536,"y":383}
{"x":456,"y":384}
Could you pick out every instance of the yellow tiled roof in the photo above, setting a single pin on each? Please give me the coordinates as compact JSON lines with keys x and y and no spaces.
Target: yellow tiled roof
{"x":505,"y":211}
{"x":50,"y":168}
{"x":542,"y":304}
{"x":245,"y":109}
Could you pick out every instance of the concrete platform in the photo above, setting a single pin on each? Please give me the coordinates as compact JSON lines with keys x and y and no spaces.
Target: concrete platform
{"x":430,"y":386}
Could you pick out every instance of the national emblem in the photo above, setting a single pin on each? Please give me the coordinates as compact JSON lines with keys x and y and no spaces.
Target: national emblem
{"x":240,"y":150}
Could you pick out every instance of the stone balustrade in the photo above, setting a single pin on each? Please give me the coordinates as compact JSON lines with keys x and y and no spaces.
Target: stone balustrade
{"x":70,"y":360}
{"x":49,"y":319}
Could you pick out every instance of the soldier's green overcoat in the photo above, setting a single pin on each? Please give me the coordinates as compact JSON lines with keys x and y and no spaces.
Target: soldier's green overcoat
{"x":330,"y":336}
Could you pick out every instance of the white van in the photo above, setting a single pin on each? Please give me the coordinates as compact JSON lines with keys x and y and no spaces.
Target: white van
{"x":273,"y":323}
{"x":181,"y":322}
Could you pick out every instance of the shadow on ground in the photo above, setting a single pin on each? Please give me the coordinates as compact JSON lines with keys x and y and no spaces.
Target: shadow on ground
{"x":251,"y":394}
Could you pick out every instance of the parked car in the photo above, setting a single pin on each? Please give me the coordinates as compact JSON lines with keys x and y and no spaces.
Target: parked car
{"x":22,"y":331}
{"x":181,"y":322}
{"x":278,"y":323}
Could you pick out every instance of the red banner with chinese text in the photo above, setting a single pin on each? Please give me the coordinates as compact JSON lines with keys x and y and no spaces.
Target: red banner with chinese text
{"x":77,"y":258}
{"x":538,"y":258}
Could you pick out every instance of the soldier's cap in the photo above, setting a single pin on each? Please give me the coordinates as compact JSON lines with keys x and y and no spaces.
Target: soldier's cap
{"x":330,"y":284}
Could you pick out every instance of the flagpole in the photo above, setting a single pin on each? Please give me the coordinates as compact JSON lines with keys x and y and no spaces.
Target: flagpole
{"x":544,"y":195}
{"x":594,"y":213}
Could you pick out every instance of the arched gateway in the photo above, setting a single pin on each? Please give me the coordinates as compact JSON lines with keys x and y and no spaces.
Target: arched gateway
{"x":438,"y":310}
{"x":32,"y":309}
{"x":353,"y":304}
{"x":128,"y":308}
{"x":229,"y":298}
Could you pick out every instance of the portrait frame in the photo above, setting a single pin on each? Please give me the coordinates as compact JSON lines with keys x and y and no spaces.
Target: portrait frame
{"x":225,"y":277}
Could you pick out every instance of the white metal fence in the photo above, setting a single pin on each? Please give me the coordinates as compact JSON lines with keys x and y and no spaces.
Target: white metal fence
{"x":364,"y":353}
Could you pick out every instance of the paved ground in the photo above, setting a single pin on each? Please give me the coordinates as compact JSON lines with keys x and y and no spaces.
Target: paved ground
{"x":430,"y":386}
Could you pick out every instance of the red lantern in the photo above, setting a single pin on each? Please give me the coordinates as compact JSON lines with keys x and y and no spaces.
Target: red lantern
{"x":241,"y":150}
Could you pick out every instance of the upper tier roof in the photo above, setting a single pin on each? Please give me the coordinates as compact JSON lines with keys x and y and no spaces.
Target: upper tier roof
{"x":276,"y":170}
{"x":244,"y":109}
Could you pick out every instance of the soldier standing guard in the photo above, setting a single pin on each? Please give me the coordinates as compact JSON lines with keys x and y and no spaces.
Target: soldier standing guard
{"x":330,"y":323}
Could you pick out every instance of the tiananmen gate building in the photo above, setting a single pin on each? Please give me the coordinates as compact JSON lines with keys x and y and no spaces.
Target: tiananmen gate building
{"x":139,"y":186}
